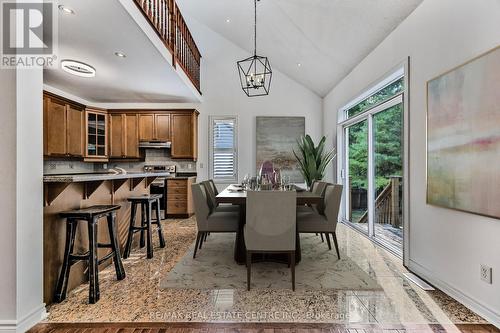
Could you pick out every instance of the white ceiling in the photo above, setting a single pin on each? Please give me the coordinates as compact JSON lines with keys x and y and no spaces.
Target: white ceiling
{"x":96,"y":31}
{"x":327,"y":37}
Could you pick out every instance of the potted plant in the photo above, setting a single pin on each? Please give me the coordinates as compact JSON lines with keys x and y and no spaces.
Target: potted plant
{"x":312,"y":159}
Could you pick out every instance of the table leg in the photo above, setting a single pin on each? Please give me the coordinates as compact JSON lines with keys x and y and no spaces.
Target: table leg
{"x":239,"y":245}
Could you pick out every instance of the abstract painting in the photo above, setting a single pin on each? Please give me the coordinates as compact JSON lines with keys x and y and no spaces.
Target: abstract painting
{"x":463,"y":137}
{"x":276,"y":139}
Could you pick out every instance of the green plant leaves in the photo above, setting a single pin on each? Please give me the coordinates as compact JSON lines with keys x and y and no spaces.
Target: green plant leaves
{"x":312,"y":159}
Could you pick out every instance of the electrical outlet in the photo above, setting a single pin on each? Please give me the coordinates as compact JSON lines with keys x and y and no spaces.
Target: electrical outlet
{"x":486,"y":274}
{"x":201,"y":165}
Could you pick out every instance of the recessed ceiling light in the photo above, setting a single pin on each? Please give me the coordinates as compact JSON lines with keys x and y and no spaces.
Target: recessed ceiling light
{"x":120,"y":54}
{"x":228,"y":20}
{"x":78,"y":68}
{"x":299,"y":64}
{"x":66,"y":10}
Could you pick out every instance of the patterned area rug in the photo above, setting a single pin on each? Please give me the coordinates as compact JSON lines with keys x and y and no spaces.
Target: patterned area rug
{"x":215,"y":268}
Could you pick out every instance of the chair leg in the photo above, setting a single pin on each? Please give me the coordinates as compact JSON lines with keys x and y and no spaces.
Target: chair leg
{"x":62,"y":282}
{"x":130,"y":237}
{"x":202,"y":238}
{"x":149,"y":232}
{"x":249,"y":268}
{"x":115,"y":247}
{"x":292,"y":260}
{"x":158,"y":220}
{"x":334,"y":236}
{"x":93,"y":262}
{"x":142,"y":243}
{"x":206,"y":234}
{"x":328,"y":240}
{"x":198,"y":237}
{"x":322,"y":239}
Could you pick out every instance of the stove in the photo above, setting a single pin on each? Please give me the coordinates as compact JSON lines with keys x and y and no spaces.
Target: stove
{"x":159,"y":185}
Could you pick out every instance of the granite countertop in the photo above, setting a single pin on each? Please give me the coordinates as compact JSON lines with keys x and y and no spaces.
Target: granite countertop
{"x":89,"y":177}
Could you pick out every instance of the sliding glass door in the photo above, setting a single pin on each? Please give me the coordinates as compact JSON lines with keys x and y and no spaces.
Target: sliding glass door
{"x":373,"y":171}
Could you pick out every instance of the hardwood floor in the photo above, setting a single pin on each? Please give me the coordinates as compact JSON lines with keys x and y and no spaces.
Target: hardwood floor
{"x":255,"y":328}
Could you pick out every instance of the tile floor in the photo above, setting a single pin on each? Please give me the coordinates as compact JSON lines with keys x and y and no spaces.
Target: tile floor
{"x":139,"y":297}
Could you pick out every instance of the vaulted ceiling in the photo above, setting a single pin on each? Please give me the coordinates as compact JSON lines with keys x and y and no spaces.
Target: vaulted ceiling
{"x":315,"y":42}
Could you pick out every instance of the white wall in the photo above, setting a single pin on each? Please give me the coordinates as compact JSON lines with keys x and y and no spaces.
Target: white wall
{"x":446,"y":246}
{"x":21,"y":199}
{"x":222,"y":95}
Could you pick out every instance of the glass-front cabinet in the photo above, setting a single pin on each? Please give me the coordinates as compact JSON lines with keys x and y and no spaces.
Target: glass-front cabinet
{"x":96,"y":125}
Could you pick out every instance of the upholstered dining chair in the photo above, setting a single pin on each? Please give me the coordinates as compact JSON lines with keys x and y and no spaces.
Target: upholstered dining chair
{"x":211,"y":191}
{"x":324,"y":222}
{"x":318,"y":188}
{"x":208,"y":220}
{"x":270,"y":226}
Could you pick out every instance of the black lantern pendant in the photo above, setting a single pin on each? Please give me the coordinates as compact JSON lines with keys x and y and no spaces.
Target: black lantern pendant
{"x":255,"y":71}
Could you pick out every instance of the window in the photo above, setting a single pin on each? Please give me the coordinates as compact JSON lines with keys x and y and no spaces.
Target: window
{"x":223,"y":149}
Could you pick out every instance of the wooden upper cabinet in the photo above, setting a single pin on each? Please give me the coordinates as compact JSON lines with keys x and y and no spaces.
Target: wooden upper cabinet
{"x":162,"y":127}
{"x":131,"y":136}
{"x":63,"y":127}
{"x":74,"y":131}
{"x":55,"y":126}
{"x":116,"y":136}
{"x":182,"y":136}
{"x":146,"y":127}
{"x":96,"y":135}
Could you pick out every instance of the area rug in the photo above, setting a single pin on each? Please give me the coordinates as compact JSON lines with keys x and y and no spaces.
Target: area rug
{"x":215,"y":268}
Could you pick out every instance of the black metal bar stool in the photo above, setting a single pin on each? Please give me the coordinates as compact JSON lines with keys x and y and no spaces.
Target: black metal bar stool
{"x":91,"y":216}
{"x":147,"y":203}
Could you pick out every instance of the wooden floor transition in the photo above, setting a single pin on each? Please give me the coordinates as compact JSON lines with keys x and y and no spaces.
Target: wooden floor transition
{"x":255,"y":328}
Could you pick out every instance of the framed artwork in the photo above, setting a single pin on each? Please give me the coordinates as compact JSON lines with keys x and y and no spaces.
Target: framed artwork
{"x":463,"y":137}
{"x":276,"y":139}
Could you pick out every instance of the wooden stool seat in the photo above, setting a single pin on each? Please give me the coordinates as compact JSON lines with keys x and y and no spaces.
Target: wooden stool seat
{"x":147,"y":203}
{"x":91,"y":216}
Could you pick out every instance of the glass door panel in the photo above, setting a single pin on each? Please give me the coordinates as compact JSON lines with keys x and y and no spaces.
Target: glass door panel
{"x":357,"y":169}
{"x":388,"y":172}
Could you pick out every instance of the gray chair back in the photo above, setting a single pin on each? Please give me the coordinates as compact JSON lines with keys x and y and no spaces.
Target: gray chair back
{"x":333,"y":197}
{"x":270,"y":220}
{"x":214,"y":187}
{"x":319,"y":188}
{"x":212,"y":203}
{"x":201,"y":208}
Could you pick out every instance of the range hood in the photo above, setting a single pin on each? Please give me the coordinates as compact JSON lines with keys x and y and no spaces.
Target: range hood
{"x":155,"y":144}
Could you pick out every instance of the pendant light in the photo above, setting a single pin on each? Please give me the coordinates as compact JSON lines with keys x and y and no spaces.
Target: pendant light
{"x":255,"y":72}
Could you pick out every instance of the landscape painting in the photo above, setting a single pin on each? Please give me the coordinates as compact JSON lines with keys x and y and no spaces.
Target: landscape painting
{"x":276,"y":139}
{"x":463,"y":137}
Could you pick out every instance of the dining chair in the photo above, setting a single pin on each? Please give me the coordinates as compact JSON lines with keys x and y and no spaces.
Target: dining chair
{"x":325,"y":222}
{"x":318,"y":188}
{"x":270,"y":226}
{"x":208,"y":220}
{"x":211,"y":191}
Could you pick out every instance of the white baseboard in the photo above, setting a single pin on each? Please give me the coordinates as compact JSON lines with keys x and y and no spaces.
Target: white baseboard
{"x":24,"y":324}
{"x":468,"y":301}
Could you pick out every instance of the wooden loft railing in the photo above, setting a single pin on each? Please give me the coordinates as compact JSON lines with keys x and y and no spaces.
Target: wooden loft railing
{"x":166,"y":18}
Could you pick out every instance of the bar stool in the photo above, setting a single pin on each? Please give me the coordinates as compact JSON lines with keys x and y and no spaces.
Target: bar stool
{"x":91,"y":216}
{"x":147,"y":203}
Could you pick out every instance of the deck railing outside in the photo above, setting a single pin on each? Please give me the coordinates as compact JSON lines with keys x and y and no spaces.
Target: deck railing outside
{"x":167,"y":20}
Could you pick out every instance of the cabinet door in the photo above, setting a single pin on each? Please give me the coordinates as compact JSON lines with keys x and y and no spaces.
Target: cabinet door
{"x":116,"y":135}
{"x":146,"y":127}
{"x":74,"y":130}
{"x":56,"y":127}
{"x":162,"y":127}
{"x":96,"y":132}
{"x":131,"y":135}
{"x":182,"y":136}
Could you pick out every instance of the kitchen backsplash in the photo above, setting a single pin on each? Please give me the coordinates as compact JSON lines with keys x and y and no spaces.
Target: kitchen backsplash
{"x":153,"y":156}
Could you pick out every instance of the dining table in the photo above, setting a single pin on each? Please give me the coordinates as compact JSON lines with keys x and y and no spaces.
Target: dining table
{"x":236,"y":195}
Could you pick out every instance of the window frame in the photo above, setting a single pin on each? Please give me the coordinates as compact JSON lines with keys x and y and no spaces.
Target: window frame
{"x":211,"y":151}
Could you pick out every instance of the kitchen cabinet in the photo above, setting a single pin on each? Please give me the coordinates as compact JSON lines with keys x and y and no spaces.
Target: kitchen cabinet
{"x":96,"y":134}
{"x":154,"y":127}
{"x":123,"y":135}
{"x":179,"y":196}
{"x":63,"y":127}
{"x":184,"y":130}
